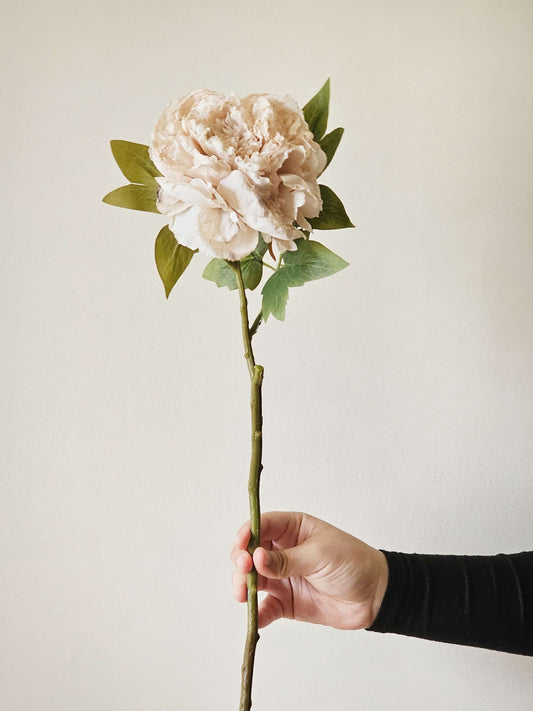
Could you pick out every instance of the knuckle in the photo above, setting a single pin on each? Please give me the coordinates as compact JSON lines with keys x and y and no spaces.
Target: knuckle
{"x":283,"y":563}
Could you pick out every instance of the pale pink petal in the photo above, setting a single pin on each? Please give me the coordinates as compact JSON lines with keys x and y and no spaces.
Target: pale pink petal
{"x":228,"y":237}
{"x":232,"y":167}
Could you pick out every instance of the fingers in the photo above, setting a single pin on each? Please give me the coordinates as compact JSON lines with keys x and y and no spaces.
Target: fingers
{"x":242,"y":561}
{"x":282,"y":527}
{"x":298,"y":561}
{"x":270,"y":610}
{"x":239,"y":586}
{"x":273,"y":526}
{"x":240,"y":543}
{"x":240,"y":591}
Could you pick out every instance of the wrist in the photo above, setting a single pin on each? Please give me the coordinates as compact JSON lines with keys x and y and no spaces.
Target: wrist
{"x":381,"y":582}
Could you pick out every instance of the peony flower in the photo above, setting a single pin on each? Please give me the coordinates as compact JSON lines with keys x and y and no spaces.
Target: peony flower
{"x":232,"y":168}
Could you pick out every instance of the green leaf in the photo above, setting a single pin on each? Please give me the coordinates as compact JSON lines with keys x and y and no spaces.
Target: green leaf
{"x":316,"y":112}
{"x":275,"y":296}
{"x":330,"y":143}
{"x":171,"y":258}
{"x":333,"y":215}
{"x":134,"y":197}
{"x":134,"y":161}
{"x":261,"y":248}
{"x":252,"y":271}
{"x":311,"y":261}
{"x":219,"y":271}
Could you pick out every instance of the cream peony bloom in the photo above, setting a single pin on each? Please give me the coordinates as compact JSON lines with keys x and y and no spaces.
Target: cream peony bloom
{"x":232,"y":168}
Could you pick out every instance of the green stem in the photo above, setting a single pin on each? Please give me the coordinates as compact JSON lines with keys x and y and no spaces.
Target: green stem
{"x":256,"y":381}
{"x":246,"y":338}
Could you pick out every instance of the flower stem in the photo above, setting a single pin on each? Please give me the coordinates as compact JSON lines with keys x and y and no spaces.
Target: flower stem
{"x":256,"y":381}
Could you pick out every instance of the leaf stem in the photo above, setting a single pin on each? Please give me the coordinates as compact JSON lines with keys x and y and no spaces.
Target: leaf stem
{"x":256,"y":381}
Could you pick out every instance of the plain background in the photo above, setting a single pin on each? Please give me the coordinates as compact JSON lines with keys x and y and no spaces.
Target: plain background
{"x":398,"y":394}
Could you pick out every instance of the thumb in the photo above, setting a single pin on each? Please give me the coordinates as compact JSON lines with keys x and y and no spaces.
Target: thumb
{"x":297,"y":561}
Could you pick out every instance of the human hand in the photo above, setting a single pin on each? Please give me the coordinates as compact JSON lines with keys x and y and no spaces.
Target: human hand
{"x":311,"y":571}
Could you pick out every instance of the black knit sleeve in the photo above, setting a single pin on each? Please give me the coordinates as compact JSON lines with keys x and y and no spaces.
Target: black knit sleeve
{"x":480,"y":601}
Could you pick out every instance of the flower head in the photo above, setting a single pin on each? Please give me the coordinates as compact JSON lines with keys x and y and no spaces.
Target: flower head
{"x":232,"y":168}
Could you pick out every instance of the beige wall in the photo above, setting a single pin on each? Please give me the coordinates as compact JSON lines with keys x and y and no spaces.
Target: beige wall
{"x":398,"y":394}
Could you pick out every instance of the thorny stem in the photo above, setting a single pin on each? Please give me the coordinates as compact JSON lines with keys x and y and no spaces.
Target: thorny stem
{"x":256,"y":380}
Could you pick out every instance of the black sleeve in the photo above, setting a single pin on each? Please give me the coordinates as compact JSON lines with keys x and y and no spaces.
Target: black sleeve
{"x":480,"y":601}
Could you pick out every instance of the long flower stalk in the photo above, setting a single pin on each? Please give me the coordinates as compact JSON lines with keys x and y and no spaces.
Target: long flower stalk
{"x":157,"y":176}
{"x":256,"y":381}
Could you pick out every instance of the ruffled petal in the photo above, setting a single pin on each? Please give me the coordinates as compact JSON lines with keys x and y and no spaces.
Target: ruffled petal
{"x":232,"y":167}
{"x":228,"y":236}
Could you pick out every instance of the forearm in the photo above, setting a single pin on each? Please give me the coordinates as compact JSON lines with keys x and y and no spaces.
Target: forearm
{"x":480,"y":601}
